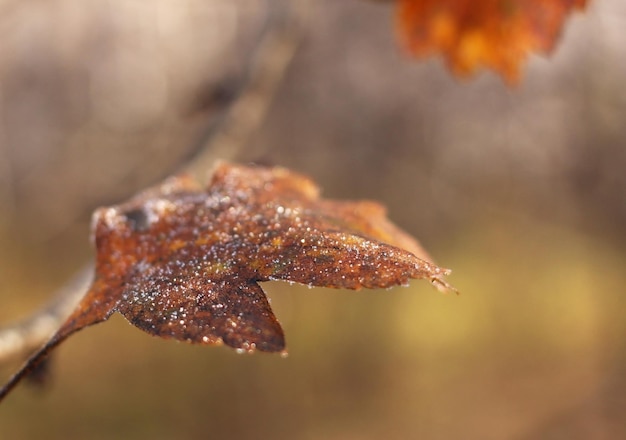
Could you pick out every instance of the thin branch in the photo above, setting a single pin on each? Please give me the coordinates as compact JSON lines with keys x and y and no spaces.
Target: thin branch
{"x":24,"y":336}
{"x":225,"y":137}
{"x":265,"y":70}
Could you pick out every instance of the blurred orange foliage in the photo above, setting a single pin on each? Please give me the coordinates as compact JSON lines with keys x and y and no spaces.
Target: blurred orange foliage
{"x":498,"y":34}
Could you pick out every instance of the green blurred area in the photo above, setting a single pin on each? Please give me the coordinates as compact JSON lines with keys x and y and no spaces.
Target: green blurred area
{"x":521,"y":192}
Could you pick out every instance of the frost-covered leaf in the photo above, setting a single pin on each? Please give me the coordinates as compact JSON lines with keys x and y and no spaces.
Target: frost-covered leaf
{"x":181,"y":261}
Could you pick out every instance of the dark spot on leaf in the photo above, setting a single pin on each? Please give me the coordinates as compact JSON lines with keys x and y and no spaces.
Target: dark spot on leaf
{"x":137,"y":219}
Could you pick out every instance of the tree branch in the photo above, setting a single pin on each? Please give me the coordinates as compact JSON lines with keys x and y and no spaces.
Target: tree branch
{"x":267,"y":65}
{"x":24,"y":336}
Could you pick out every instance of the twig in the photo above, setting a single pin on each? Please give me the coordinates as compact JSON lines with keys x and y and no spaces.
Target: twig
{"x":224,"y":138}
{"x":265,"y":70}
{"x":22,"y":337}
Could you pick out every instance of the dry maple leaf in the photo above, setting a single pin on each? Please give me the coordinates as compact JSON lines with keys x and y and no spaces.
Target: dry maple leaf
{"x":495,"y":33}
{"x":181,"y":261}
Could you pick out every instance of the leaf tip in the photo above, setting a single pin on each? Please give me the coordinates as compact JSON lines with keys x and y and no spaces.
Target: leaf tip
{"x":442,"y":285}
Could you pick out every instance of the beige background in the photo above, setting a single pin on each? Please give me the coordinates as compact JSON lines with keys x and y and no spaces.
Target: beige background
{"x":520,"y":191}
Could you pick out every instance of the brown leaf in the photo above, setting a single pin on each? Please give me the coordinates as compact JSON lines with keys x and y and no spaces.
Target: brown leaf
{"x":183,"y":262}
{"x":498,"y":34}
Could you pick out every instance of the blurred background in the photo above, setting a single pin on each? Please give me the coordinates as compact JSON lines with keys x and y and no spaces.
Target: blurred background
{"x":521,"y":191}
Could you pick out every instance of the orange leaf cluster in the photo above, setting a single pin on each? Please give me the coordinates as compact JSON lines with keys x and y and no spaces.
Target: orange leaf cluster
{"x":498,"y":34}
